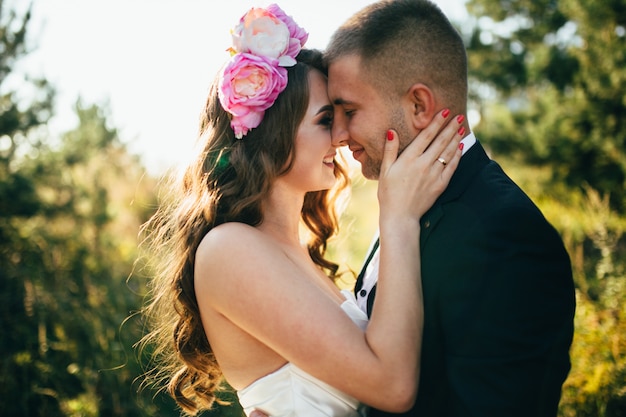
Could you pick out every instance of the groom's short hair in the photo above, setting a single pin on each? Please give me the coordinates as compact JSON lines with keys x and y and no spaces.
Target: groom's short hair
{"x":403,"y":42}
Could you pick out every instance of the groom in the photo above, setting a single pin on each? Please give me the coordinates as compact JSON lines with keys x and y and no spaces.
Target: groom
{"x":498,"y":289}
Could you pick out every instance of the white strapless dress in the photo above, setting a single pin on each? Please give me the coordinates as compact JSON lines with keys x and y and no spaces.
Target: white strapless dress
{"x":290,"y":392}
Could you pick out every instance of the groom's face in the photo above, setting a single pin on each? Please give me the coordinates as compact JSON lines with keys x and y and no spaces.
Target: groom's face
{"x":362,"y":115}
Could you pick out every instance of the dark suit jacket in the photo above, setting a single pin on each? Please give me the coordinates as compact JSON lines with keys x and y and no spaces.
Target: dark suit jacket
{"x":498,"y":301}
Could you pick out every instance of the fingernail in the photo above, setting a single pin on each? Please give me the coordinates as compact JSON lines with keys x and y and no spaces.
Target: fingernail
{"x":460,"y":118}
{"x":445,"y":113}
{"x":389,"y":135}
{"x":461,"y":130}
{"x":461,"y":145}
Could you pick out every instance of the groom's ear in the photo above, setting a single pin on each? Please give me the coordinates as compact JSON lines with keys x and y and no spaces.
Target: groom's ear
{"x":420,"y":105}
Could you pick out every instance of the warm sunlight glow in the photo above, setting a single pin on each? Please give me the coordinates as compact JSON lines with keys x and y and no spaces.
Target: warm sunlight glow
{"x":153,"y":61}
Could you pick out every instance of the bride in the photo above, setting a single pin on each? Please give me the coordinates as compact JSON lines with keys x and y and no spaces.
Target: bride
{"x":237,"y":296}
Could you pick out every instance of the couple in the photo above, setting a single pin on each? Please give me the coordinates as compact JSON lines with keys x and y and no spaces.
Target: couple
{"x":239,"y":297}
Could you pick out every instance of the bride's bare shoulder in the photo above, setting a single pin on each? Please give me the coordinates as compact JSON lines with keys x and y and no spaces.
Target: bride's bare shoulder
{"x":229,"y":257}
{"x":233,"y":242}
{"x":230,"y":236}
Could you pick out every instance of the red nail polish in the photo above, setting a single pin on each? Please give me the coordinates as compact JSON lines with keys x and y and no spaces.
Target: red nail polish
{"x":461,"y":145}
{"x":460,"y":118}
{"x":445,"y":113}
{"x":461,"y":130}
{"x":389,"y":135}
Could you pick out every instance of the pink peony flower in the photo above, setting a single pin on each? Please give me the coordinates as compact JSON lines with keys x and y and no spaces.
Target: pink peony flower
{"x":264,"y":42}
{"x":259,"y":32}
{"x":297,"y":35}
{"x":250,"y":85}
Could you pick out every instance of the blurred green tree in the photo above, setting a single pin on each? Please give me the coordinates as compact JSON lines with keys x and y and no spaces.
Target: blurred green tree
{"x":70,"y":210}
{"x":66,"y":266}
{"x":548,"y":78}
{"x":20,"y":342}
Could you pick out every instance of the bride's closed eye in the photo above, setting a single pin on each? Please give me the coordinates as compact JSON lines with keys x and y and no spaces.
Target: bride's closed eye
{"x":326,"y":120}
{"x":325,"y":117}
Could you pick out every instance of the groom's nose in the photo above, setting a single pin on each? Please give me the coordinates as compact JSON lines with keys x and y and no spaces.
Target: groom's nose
{"x":339,"y":132}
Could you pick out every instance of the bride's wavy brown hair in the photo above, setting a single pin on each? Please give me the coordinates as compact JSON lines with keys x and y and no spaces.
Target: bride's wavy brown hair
{"x":226,"y":183}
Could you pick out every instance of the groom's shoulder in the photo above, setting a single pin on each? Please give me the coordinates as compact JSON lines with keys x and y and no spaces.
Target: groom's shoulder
{"x":493,"y":195}
{"x":499,"y":187}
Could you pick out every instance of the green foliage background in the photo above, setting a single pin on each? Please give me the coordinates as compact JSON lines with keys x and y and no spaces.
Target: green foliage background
{"x":549,"y":84}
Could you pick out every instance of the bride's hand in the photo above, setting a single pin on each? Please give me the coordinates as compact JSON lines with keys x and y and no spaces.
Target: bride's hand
{"x":410,"y":183}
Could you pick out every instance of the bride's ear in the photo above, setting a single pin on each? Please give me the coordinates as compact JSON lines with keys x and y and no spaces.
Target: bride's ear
{"x":420,"y":105}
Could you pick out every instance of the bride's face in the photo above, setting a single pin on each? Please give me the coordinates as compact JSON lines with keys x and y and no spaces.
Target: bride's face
{"x":313,"y":166}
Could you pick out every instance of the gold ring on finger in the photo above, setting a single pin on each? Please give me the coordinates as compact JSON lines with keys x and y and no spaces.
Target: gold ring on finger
{"x":443,"y":161}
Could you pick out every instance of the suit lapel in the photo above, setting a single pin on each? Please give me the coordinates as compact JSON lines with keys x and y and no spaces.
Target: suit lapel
{"x":471,"y":163}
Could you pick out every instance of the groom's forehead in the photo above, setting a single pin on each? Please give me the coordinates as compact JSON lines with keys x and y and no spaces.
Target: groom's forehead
{"x":345,"y":81}
{"x":345,"y":65}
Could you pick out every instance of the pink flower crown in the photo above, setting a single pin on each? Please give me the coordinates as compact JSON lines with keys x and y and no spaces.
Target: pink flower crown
{"x":264,"y":42}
